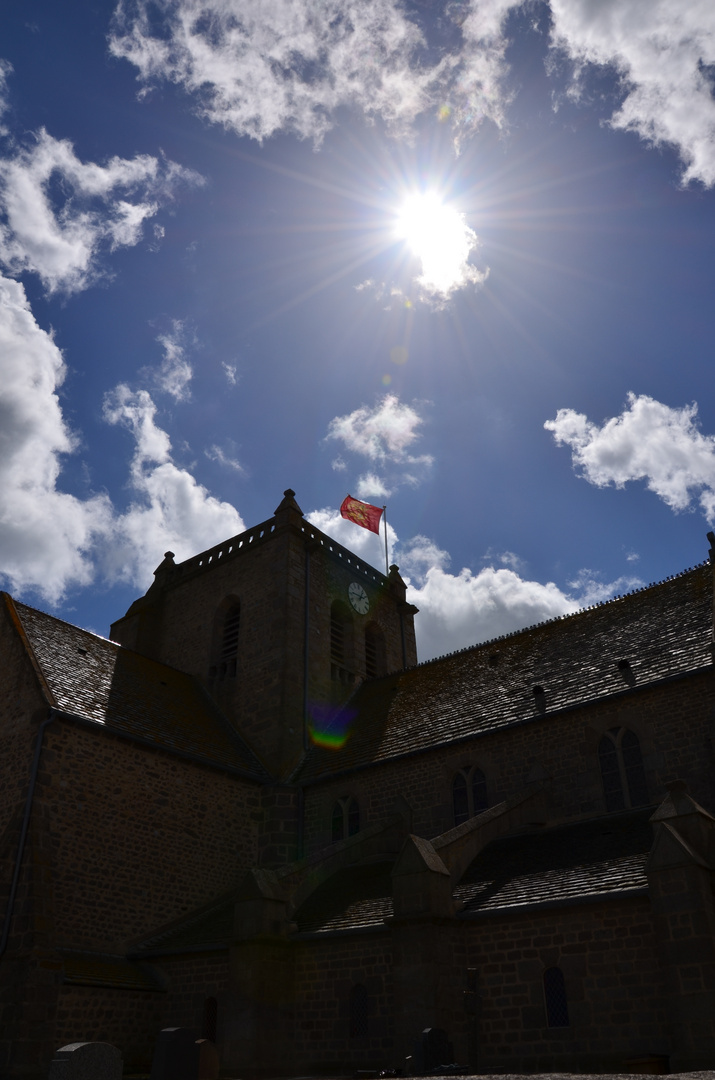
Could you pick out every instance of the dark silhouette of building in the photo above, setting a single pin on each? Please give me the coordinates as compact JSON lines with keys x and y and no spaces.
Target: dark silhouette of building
{"x":252,"y":813}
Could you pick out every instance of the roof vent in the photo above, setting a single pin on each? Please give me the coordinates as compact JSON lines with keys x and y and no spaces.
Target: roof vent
{"x":494,"y":659}
{"x":624,"y":666}
{"x":539,"y":698}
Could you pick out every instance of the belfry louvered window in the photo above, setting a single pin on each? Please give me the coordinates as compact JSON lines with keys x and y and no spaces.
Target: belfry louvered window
{"x":622,"y":772}
{"x":229,"y":642}
{"x":341,"y":643}
{"x":374,"y":651}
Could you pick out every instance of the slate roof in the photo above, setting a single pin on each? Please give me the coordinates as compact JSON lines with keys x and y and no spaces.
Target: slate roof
{"x":99,"y":969}
{"x":356,"y":896}
{"x":570,"y":863}
{"x":662,"y":630}
{"x":91,"y":677}
{"x":210,"y":927}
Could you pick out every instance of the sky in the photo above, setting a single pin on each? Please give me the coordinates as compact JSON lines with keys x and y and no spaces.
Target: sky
{"x":453,"y":258}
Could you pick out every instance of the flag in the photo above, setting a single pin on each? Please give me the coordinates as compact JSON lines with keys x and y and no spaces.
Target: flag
{"x":362,"y":513}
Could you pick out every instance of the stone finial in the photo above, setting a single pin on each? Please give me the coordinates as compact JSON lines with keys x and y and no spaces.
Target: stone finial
{"x":288,"y":502}
{"x":164,"y":568}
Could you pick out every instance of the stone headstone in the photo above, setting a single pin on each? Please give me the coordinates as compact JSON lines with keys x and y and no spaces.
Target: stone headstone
{"x":208,"y":1060}
{"x":87,"y":1061}
{"x":434,"y":1050}
{"x":176,"y":1055}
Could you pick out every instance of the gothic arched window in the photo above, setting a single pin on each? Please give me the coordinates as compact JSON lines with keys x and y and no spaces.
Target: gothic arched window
{"x":469,"y":794}
{"x":557,"y":1013}
{"x":358,"y":1012}
{"x":345,"y":820}
{"x":622,"y":772}
{"x":375,"y":659}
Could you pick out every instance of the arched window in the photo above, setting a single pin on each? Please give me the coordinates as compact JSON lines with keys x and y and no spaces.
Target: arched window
{"x":345,"y":819}
{"x":210,"y":1019}
{"x":375,"y":659}
{"x":557,"y":1013}
{"x":341,"y":643}
{"x":469,"y":794}
{"x":358,"y":1012}
{"x":622,"y":772}
{"x":225,"y":651}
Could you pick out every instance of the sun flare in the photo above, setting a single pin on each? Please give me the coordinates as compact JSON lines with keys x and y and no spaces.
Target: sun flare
{"x":440,"y":238}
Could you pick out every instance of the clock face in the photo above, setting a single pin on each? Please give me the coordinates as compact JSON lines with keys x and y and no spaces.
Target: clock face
{"x":358,"y":598}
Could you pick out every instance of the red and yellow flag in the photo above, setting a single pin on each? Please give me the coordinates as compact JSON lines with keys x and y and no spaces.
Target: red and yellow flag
{"x":362,"y":513}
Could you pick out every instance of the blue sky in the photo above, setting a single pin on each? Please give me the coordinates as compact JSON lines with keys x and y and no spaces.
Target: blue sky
{"x":455,"y":258}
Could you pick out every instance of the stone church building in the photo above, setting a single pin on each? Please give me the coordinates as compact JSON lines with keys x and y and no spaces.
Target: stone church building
{"x":251,"y":812}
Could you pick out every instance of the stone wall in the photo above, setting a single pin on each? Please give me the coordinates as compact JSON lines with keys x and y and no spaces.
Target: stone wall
{"x":673,"y":723}
{"x":139,"y":836}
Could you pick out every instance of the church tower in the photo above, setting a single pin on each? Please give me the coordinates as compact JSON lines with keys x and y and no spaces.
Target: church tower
{"x":280,"y":624}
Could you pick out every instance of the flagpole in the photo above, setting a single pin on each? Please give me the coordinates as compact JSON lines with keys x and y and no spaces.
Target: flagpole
{"x":384,"y":518}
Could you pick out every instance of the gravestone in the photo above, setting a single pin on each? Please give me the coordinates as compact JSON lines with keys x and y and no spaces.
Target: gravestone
{"x":87,"y":1061}
{"x":433,"y":1051}
{"x":208,"y":1060}
{"x":176,"y":1055}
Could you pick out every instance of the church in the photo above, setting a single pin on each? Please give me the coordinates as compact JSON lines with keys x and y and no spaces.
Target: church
{"x":251,"y":812}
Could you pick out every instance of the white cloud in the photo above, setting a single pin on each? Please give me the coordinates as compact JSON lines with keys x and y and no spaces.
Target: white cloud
{"x":46,"y":535}
{"x":370,"y":485}
{"x":591,"y":589}
{"x":663,"y":51}
{"x":288,"y":65}
{"x":648,"y":441}
{"x":5,"y":72}
{"x":229,"y":371}
{"x":458,"y":610}
{"x":259,"y":67}
{"x":60,"y":212}
{"x":171,"y":510}
{"x":215,"y":453}
{"x":175,"y":373}
{"x":51,"y":540}
{"x":477,"y":89}
{"x":382,"y":433}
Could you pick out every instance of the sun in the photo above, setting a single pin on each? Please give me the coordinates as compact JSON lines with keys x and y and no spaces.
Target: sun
{"x":439,"y":236}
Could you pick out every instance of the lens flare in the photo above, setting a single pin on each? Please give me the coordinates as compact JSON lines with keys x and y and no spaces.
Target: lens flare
{"x":329,"y":726}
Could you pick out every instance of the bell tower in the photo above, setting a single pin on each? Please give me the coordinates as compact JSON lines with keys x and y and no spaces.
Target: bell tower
{"x":280,"y":624}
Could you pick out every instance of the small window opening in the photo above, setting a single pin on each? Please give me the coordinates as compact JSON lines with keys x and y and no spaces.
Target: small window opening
{"x":557,"y":1013}
{"x":210,"y":1019}
{"x":358,"y":1012}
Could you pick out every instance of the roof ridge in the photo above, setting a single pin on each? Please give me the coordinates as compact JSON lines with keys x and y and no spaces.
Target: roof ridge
{"x":559,"y":618}
{"x":11,"y":605}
